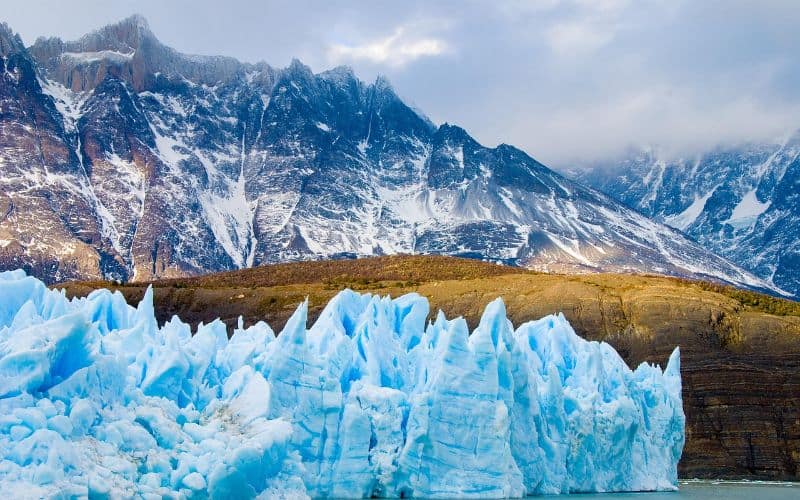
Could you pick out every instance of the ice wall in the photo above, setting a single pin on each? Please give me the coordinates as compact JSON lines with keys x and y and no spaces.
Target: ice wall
{"x":95,"y":398}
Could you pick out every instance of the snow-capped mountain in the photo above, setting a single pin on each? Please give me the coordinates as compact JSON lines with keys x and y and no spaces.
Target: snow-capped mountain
{"x":123,"y":158}
{"x":743,"y":202}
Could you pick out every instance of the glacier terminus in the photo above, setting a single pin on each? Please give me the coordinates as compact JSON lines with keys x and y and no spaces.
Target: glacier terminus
{"x":372,"y":400}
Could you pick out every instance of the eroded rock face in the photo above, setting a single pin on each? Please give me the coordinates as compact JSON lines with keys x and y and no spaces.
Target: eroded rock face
{"x":740,"y":367}
{"x":127,"y":51}
{"x":157,"y":164}
{"x":47,"y":222}
{"x":741,"y":375}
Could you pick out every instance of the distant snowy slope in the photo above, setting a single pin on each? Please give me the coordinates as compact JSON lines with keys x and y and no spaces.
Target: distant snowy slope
{"x":743,"y":203}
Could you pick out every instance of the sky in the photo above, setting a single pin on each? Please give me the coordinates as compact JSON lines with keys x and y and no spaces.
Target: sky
{"x":569,"y":81}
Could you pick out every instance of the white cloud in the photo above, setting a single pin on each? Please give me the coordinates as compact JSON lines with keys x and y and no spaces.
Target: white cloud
{"x":398,"y":49}
{"x":603,"y":6}
{"x":675,"y":120}
{"x":577,"y":38}
{"x":587,"y":26}
{"x":563,"y":79}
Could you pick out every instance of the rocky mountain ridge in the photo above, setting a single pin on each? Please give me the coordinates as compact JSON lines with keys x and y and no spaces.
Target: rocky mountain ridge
{"x":122,"y":158}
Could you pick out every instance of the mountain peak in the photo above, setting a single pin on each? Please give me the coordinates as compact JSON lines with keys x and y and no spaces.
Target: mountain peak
{"x":129,"y":50}
{"x":296,"y":67}
{"x":339,"y":74}
{"x":10,"y":42}
{"x":127,"y":33}
{"x":450,"y":129}
{"x":138,"y":21}
{"x":384,"y":90}
{"x":383,"y":84}
{"x":452,"y":134}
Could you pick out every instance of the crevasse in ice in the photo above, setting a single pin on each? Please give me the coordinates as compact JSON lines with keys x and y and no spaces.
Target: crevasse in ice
{"x":96,"y":398}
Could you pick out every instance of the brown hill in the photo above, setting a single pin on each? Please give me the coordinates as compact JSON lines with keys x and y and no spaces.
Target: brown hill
{"x":740,"y":350}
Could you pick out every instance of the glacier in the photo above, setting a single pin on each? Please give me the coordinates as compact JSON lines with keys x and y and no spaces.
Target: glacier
{"x":372,"y":400}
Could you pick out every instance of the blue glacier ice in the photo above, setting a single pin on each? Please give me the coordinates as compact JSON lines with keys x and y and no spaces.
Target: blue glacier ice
{"x":372,"y":400}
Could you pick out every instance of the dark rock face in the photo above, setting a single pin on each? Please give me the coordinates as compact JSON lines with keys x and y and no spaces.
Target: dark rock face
{"x":743,"y":203}
{"x":741,"y":378}
{"x":172,"y":165}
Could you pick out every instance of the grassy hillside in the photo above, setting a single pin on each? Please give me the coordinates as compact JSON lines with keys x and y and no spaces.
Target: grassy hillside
{"x":740,"y":350}
{"x":458,"y":286}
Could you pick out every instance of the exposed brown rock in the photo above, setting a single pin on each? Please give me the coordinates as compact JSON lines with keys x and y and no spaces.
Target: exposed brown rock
{"x":131,"y":53}
{"x":740,"y":364}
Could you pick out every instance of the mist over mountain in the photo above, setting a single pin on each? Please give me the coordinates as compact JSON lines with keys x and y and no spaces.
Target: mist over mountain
{"x":741,"y":202}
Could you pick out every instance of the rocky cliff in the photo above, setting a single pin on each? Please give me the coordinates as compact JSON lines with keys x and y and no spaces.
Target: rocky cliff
{"x":740,"y":350}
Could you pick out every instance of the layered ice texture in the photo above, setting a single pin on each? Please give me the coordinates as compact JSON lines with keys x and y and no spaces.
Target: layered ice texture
{"x":96,"y":398}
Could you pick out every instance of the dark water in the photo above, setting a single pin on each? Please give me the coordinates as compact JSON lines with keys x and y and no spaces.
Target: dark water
{"x":717,"y":490}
